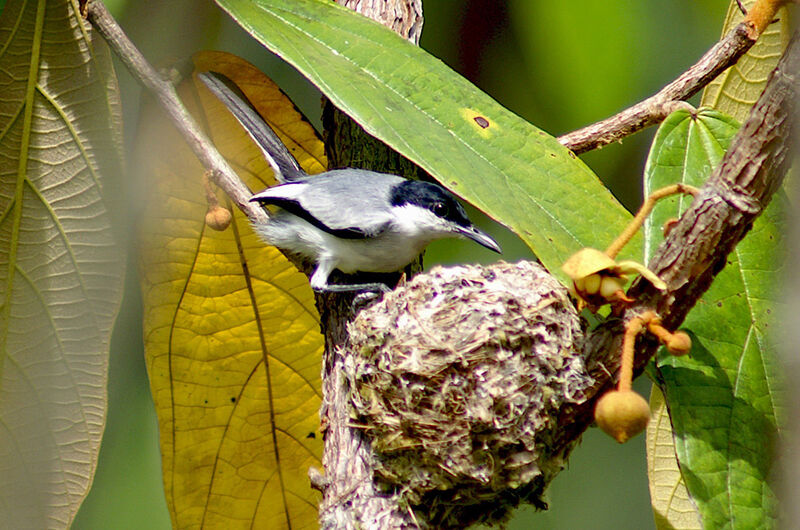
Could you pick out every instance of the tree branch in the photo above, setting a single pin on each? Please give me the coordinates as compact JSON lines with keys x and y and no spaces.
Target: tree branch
{"x":223,"y":175}
{"x":654,"y":109}
{"x":697,"y":247}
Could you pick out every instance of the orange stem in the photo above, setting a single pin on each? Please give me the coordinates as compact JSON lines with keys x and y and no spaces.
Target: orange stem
{"x":632,"y":328}
{"x":659,"y":331}
{"x":644,"y":211}
{"x":761,"y":15}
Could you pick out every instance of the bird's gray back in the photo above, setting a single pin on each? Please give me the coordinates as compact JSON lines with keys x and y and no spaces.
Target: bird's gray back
{"x":348,"y":198}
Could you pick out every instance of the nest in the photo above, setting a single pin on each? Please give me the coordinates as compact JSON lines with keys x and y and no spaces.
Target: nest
{"x":458,"y":379}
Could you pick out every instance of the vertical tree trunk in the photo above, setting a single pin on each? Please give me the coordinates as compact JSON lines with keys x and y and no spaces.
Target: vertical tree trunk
{"x":350,"y":498}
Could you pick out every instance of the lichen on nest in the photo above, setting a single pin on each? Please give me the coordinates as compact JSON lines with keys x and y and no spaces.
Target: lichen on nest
{"x":458,"y":379}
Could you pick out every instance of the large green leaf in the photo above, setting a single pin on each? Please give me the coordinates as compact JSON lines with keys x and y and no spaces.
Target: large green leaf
{"x":60,"y":268}
{"x":724,"y":399}
{"x":505,"y":166}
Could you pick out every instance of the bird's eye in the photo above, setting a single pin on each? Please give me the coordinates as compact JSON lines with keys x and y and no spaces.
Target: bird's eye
{"x":439,"y":208}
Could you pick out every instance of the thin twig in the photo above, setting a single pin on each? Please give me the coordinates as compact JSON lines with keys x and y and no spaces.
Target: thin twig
{"x":657,"y":107}
{"x":654,"y":109}
{"x":225,"y":177}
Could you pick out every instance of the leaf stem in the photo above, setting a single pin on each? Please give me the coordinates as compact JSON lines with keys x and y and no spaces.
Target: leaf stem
{"x":762,"y":14}
{"x":632,"y":329}
{"x":22,"y":175}
{"x":654,"y":326}
{"x":644,"y":211}
{"x":211,"y":197}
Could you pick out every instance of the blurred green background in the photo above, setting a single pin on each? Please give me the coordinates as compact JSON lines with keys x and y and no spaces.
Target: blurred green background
{"x":559,"y":65}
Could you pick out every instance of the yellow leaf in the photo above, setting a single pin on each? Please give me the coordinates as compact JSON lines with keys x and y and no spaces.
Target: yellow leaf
{"x":672,"y":507}
{"x":585,"y":262}
{"x":231,"y":331}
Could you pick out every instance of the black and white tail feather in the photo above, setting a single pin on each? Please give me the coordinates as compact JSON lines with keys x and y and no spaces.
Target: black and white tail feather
{"x":347,"y":219}
{"x":283,"y":164}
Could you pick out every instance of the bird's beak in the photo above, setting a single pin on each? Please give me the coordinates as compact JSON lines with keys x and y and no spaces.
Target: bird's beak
{"x":480,"y":237}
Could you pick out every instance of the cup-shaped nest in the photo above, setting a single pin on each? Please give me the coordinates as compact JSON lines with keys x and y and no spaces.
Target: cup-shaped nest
{"x":458,"y":379}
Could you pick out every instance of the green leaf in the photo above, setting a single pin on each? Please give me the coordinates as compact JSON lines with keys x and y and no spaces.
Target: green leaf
{"x":60,"y":268}
{"x":684,"y":150}
{"x":508,"y":168}
{"x":724,"y":399}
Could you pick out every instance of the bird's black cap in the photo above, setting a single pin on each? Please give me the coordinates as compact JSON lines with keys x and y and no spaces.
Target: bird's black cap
{"x":431,"y":197}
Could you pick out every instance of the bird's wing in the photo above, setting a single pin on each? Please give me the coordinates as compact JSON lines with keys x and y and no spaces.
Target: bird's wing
{"x":283,"y":164}
{"x":348,"y":203}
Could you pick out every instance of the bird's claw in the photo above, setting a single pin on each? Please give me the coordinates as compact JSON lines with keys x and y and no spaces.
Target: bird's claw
{"x":362,"y":300}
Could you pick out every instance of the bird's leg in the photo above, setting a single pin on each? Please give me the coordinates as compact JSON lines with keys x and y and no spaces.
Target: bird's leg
{"x":370,"y":292}
{"x":374,"y":288}
{"x":367,"y":291}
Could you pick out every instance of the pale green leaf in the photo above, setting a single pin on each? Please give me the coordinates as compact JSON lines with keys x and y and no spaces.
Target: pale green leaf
{"x":60,"y":268}
{"x":673,"y":509}
{"x":737,"y":88}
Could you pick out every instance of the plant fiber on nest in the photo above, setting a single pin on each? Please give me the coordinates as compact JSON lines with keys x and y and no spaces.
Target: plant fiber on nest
{"x":458,"y":378}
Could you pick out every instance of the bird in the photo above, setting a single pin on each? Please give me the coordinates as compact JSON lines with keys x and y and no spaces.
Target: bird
{"x":353,"y":220}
